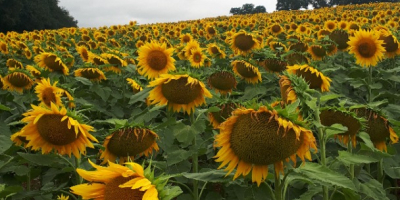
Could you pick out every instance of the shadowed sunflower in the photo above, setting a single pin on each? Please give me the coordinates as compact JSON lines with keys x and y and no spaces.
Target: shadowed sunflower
{"x":155,"y":59}
{"x":135,"y":86}
{"x":288,"y":94}
{"x":378,"y":128}
{"x":3,"y":48}
{"x":215,"y":51}
{"x":251,"y":140}
{"x":34,"y":72}
{"x":312,"y":76}
{"x":17,"y":81}
{"x":274,"y":65}
{"x":317,"y":52}
{"x":126,"y":143}
{"x":296,"y":58}
{"x":222,"y":81}
{"x":93,"y":74}
{"x":247,"y":71}
{"x":1,"y":83}
{"x":391,"y":45}
{"x":115,"y":61}
{"x":333,"y":116}
{"x":115,"y":181}
{"x":53,"y":129}
{"x":366,"y":47}
{"x":340,"y":37}
{"x":179,"y":92}
{"x":51,"y":62}
{"x":14,"y":64}
{"x":97,"y":60}
{"x":48,"y":93}
{"x":83,"y":52}
{"x":243,"y":42}
{"x":216,"y":118}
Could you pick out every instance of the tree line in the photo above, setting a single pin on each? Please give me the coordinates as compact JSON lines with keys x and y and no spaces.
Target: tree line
{"x":29,"y":15}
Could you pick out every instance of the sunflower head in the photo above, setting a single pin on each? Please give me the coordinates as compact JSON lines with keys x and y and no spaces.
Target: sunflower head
{"x":246,"y":71}
{"x":135,"y":86}
{"x":317,"y":52}
{"x":274,"y":65}
{"x":294,"y":58}
{"x":17,"y":80}
{"x":226,"y":109}
{"x":14,"y":64}
{"x":155,"y":59}
{"x":51,"y":62}
{"x":178,"y":92}
{"x":91,"y":73}
{"x":243,"y":42}
{"x":366,"y":47}
{"x":222,"y":81}
{"x":197,"y":58}
{"x":391,"y":44}
{"x":128,"y":142}
{"x":315,"y":78}
{"x":56,"y":129}
{"x":127,"y":182}
{"x":248,"y":134}
{"x":48,"y":93}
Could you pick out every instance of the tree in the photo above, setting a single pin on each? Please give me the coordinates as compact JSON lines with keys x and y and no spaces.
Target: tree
{"x":247,"y":8}
{"x":291,"y":4}
{"x":28,"y":15}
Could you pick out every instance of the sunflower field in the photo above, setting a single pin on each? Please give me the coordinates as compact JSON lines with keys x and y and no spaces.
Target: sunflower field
{"x":283,"y":105}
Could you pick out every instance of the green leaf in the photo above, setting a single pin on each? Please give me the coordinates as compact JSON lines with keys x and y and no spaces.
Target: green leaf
{"x":311,"y":192}
{"x":21,"y":170}
{"x":103,"y":92}
{"x":3,"y":107}
{"x":9,"y":191}
{"x":312,"y":104}
{"x":348,"y":158}
{"x":367,"y":140}
{"x":373,"y":189}
{"x":212,"y":176}
{"x":391,"y":167}
{"x":170,"y":192}
{"x":5,"y":143}
{"x":140,"y":96}
{"x":291,"y":108}
{"x":83,"y":80}
{"x":330,"y":97}
{"x":325,"y":175}
{"x":41,"y":159}
{"x":335,"y":129}
{"x":252,"y":91}
{"x":177,"y":156}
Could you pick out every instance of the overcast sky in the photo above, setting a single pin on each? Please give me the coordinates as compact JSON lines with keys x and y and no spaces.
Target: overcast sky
{"x":96,"y":13}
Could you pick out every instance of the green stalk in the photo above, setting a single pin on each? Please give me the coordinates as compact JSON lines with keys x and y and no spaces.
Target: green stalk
{"x":195,"y":160}
{"x":79,"y":179}
{"x":381,"y":175}
{"x":278,"y":187}
{"x":369,"y":84}
{"x":322,"y":144}
{"x":350,"y":149}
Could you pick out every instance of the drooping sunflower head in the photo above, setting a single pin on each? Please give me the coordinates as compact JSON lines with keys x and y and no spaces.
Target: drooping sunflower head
{"x":340,"y":37}
{"x":129,"y":142}
{"x":317,"y":52}
{"x":91,"y":73}
{"x":17,"y":80}
{"x":243,"y":42}
{"x":218,"y":117}
{"x":3,"y":47}
{"x":83,"y":52}
{"x":96,"y":59}
{"x":391,"y":44}
{"x":288,"y":93}
{"x":222,"y":81}
{"x":155,"y":59}
{"x":250,"y":140}
{"x":215,"y":51}
{"x":246,"y":71}
{"x":378,"y":128}
{"x":51,"y":62}
{"x":274,"y":65}
{"x":53,"y":128}
{"x":116,"y":62}
{"x":366,"y":47}
{"x":48,"y":93}
{"x":14,"y":64}
{"x":348,"y":119}
{"x":294,"y":58}
{"x":315,"y":78}
{"x":299,"y":46}
{"x":135,"y":86}
{"x":178,"y":92}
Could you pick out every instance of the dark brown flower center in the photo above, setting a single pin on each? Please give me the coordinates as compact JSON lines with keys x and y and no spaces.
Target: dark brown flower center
{"x":341,"y":37}
{"x":377,"y":127}
{"x":157,"y":60}
{"x":214,"y":50}
{"x":390,"y":44}
{"x":276,"y":28}
{"x":50,"y":62}
{"x":244,"y":42}
{"x":224,"y":113}
{"x":19,"y":80}
{"x":313,"y":80}
{"x":180,"y":92}
{"x":113,"y":191}
{"x":258,"y":140}
{"x":126,"y":143}
{"x":55,"y":131}
{"x":48,"y":96}
{"x":367,"y":48}
{"x":222,"y":81}
{"x":90,"y":74}
{"x":330,"y":117}
{"x":318,"y":51}
{"x":275,"y":65}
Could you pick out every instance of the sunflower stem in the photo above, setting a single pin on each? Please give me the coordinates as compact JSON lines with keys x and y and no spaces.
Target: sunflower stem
{"x":350,"y":149}
{"x":77,"y":165}
{"x":381,"y":175}
{"x":369,"y":84}
{"x":278,"y":187}
{"x":195,"y":160}
{"x":322,"y":143}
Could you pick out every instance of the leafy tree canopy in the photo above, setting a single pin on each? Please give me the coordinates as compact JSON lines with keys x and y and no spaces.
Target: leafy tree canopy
{"x":247,"y":8}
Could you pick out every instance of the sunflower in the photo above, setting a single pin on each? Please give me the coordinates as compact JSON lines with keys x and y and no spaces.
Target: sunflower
{"x":317,"y":52}
{"x":1,"y":83}
{"x":274,"y":65}
{"x":19,"y":140}
{"x":83,"y":52}
{"x":296,"y":58}
{"x":197,"y":58}
{"x":247,"y":71}
{"x":97,"y":60}
{"x":312,"y":76}
{"x":366,"y":47}
{"x":288,"y":93}
{"x":155,"y":59}
{"x":340,"y":37}
{"x":185,"y":38}
{"x":215,"y":51}
{"x":115,"y":61}
{"x":275,"y":29}
{"x":53,"y":129}
{"x":3,"y":48}
{"x":14,"y":64}
{"x":179,"y":92}
{"x":135,"y":86}
{"x":191,"y":45}
{"x":334,"y":116}
{"x":222,"y":81}
{"x":62,"y":197}
{"x":93,"y":74}
{"x":243,"y":42}
{"x":299,"y":46}
{"x":126,"y":143}
{"x":330,"y":25}
{"x":391,"y":45}
{"x":216,"y":118}
{"x":251,"y":140}
{"x":115,"y":181}
{"x":17,"y":81}
{"x":48,"y":93}
{"x":51,"y":62}
{"x":378,"y":128}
